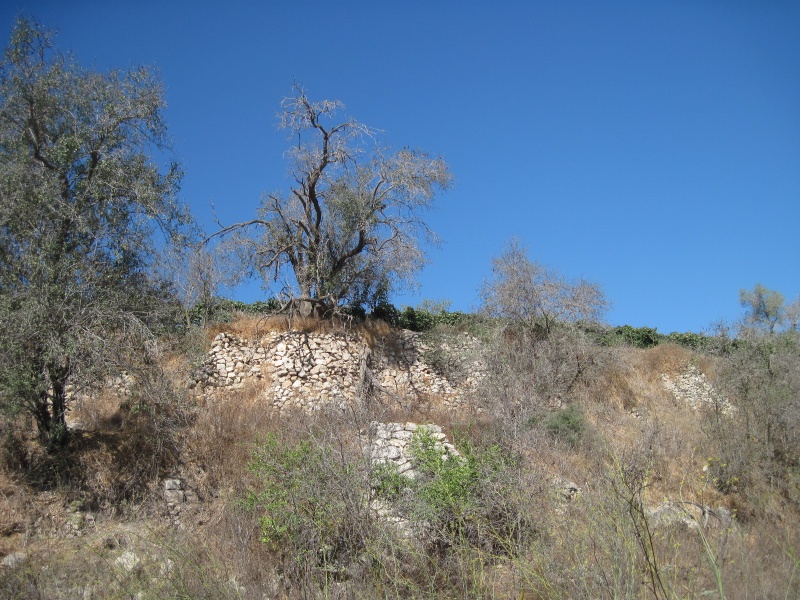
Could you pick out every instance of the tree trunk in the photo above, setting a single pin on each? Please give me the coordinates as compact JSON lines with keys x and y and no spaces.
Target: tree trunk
{"x":313,"y":308}
{"x":51,"y":410}
{"x":58,"y":423}
{"x":365,"y":380}
{"x":43,"y":420}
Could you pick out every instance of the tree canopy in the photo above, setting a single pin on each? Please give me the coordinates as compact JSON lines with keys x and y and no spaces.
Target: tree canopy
{"x":350,"y":227}
{"x":81,"y":194}
{"x":766,"y":310}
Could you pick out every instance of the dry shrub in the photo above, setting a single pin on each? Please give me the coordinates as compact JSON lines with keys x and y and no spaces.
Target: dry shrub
{"x":217,"y":450}
{"x":607,"y":543}
{"x":226,"y":440}
{"x":110,"y":469}
{"x":233,"y":536}
{"x":16,"y":503}
{"x":615,"y":385}
{"x":649,"y":413}
{"x":96,"y":413}
{"x":668,"y":358}
{"x":112,"y":461}
{"x":105,"y":471}
{"x":222,"y":435}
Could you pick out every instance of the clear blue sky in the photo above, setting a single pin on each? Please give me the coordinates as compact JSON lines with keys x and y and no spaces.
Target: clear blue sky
{"x":653,"y":147}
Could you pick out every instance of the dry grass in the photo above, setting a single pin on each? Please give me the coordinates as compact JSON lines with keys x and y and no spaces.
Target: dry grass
{"x":254,"y":327}
{"x":16,"y":516}
{"x":585,"y":548}
{"x":617,"y":386}
{"x":669,"y":359}
{"x":100,"y":412}
{"x":632,"y":413}
{"x":221,"y":438}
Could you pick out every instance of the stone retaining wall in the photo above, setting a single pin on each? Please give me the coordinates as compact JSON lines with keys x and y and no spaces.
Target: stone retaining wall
{"x":692,"y":387}
{"x":391,"y":444}
{"x":310,"y":370}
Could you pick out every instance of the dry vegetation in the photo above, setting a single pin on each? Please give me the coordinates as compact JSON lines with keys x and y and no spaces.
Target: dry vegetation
{"x":579,"y":475}
{"x":651,"y":519}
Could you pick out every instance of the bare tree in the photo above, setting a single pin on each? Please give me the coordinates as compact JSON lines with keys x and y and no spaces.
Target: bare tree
{"x":198,"y":273}
{"x":350,"y":227}
{"x":792,"y":315}
{"x":529,"y":292}
{"x":535,"y":359}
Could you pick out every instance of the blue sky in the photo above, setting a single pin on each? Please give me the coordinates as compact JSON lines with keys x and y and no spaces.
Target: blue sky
{"x":653,"y":147}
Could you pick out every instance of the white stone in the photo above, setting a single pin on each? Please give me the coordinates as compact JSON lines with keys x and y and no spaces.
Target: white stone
{"x":128,"y":560}
{"x":174,"y":496}
{"x":14,"y":560}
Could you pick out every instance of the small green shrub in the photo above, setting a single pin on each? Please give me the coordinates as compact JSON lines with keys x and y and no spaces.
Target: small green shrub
{"x":417,"y":319}
{"x":469,"y":501}
{"x":566,"y":424}
{"x":387,"y":482}
{"x":638,"y":337}
{"x":444,"y":482}
{"x":695,"y":341}
{"x":647,"y":337}
{"x":310,"y":498}
{"x":386,"y":312}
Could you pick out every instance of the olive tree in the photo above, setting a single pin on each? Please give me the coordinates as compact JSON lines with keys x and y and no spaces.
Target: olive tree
{"x":764,"y":308}
{"x":81,"y":195}
{"x":349,"y":228}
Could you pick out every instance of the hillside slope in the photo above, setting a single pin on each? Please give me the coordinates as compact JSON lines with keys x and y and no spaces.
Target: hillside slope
{"x":296,"y":464}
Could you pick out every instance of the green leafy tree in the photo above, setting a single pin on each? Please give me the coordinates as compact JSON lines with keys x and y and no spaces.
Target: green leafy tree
{"x":349,"y":229}
{"x":81,"y":195}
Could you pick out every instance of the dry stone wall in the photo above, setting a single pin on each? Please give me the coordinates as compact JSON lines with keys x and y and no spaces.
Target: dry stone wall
{"x":391,"y":444}
{"x":692,"y":387}
{"x":311,"y":370}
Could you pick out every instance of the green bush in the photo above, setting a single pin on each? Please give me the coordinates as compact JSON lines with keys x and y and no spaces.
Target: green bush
{"x":566,"y":424}
{"x":647,"y":337}
{"x":416,"y":319}
{"x":311,"y":500}
{"x":639,"y":337}
{"x":387,"y":313}
{"x":470,"y":500}
{"x":445,"y":483}
{"x":387,"y":481}
{"x":695,"y":341}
